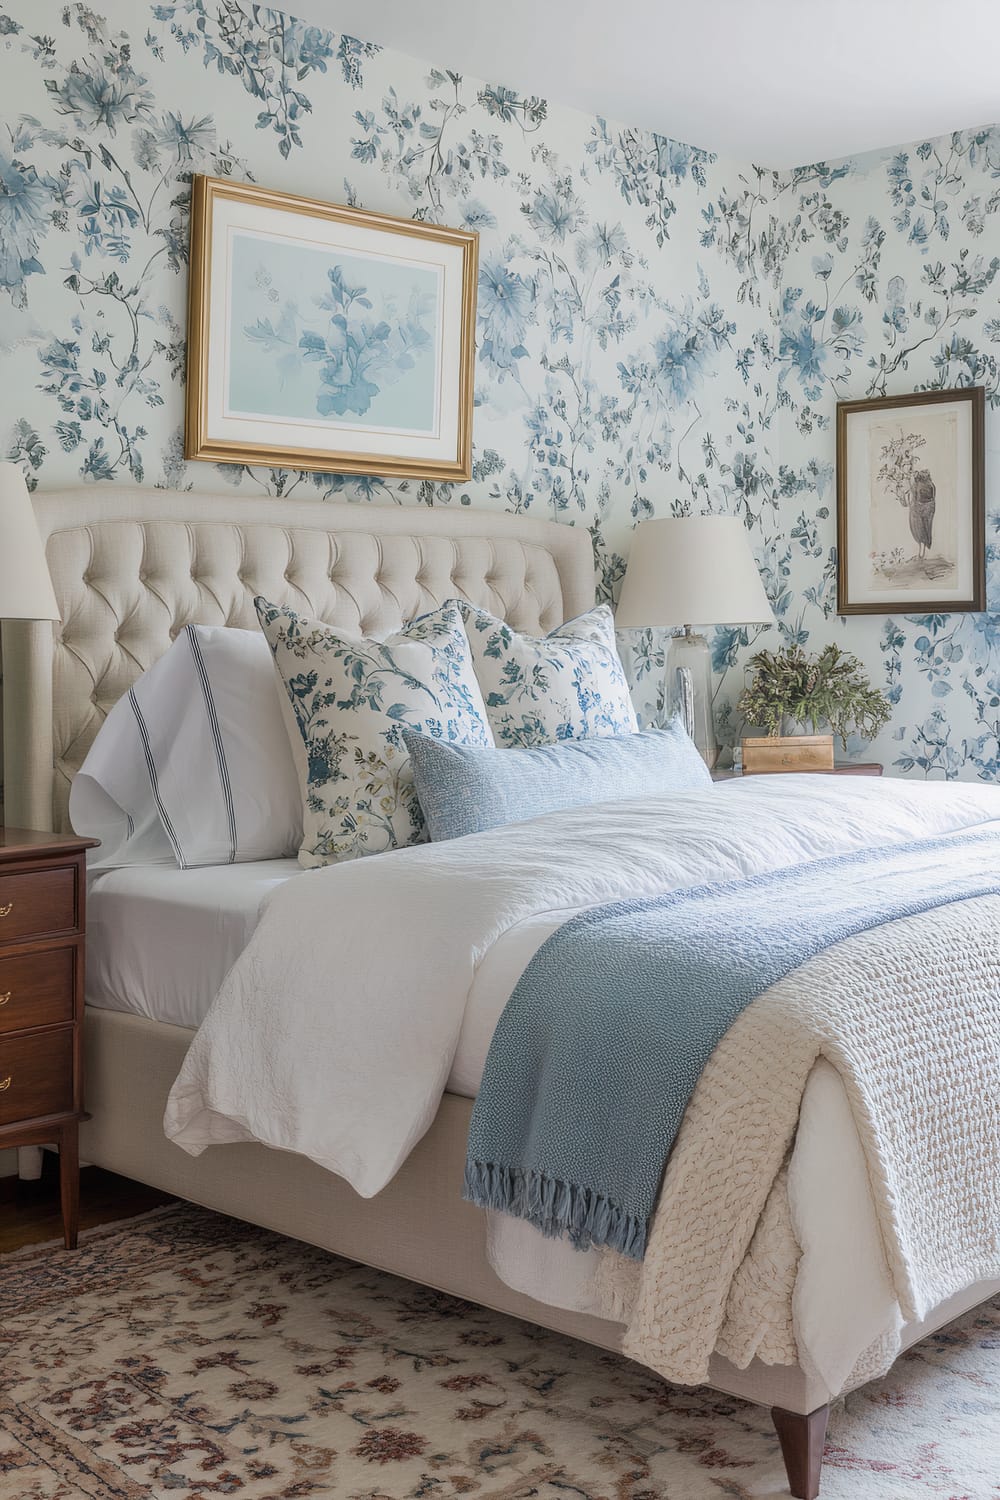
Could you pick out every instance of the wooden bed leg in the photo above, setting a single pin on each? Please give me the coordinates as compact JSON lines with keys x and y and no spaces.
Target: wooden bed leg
{"x":802,"y":1439}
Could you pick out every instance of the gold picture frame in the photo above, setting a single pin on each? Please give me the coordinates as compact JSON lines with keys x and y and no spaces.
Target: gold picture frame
{"x":328,"y":338}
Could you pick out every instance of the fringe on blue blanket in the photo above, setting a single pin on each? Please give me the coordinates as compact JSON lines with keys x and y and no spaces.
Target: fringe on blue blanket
{"x":556,"y":1208}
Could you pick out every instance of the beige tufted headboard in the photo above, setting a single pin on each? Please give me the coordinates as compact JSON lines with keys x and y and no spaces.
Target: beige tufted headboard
{"x":132,"y":567}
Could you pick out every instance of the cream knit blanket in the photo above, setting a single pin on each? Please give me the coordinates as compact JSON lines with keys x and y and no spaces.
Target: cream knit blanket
{"x":909,"y":1015}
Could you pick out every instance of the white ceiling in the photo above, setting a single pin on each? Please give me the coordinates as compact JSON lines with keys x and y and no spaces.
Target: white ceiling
{"x":785,"y":82}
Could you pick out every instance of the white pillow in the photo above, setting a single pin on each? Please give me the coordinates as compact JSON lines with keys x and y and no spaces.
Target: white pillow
{"x":352,"y":697}
{"x":193,"y":765}
{"x":569,"y":685}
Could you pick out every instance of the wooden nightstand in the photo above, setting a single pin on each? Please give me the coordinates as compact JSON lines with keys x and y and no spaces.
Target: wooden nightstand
{"x":42,"y":909}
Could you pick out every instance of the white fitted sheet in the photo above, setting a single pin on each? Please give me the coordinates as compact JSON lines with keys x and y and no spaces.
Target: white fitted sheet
{"x":161,"y":940}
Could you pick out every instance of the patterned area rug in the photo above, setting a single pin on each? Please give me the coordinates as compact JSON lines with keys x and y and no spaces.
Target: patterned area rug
{"x":186,"y":1355}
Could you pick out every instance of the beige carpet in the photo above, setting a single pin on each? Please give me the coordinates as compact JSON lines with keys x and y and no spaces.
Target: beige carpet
{"x":186,"y":1355}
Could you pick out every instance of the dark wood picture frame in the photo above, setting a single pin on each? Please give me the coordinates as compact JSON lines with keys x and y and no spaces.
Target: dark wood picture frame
{"x":976,"y":397}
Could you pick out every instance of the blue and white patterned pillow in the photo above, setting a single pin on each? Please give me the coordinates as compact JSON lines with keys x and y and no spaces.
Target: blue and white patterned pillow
{"x":569,"y":685}
{"x":351,"y":698}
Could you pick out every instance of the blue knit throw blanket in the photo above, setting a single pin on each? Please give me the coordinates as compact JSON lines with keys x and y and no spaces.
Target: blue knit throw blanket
{"x":602,"y":1042}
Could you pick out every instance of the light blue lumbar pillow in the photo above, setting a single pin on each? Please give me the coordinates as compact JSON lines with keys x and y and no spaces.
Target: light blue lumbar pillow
{"x":467,"y":788}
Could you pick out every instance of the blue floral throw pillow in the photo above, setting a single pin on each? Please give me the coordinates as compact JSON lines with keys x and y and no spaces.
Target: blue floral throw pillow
{"x":351,"y":698}
{"x":569,"y":685}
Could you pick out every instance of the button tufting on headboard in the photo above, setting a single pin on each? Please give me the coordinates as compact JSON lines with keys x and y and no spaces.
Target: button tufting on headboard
{"x":132,"y":567}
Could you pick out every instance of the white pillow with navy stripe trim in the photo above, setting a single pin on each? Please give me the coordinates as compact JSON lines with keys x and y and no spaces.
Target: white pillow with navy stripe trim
{"x":193,"y":766}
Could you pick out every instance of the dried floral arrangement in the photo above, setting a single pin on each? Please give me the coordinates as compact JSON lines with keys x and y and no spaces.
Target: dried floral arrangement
{"x":829,"y":687}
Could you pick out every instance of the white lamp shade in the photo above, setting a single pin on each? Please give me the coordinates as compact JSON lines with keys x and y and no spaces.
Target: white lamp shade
{"x":695,"y":570}
{"x":26,"y":591}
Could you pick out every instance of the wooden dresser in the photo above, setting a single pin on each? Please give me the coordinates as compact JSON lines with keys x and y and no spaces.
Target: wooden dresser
{"x":42,"y":926}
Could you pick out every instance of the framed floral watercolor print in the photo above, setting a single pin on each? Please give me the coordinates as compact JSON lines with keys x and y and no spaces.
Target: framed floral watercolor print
{"x":910,"y":503}
{"x":327,"y":338}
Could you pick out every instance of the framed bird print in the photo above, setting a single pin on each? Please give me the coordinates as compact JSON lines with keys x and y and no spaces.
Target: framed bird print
{"x":910,"y":503}
{"x":328,"y":338}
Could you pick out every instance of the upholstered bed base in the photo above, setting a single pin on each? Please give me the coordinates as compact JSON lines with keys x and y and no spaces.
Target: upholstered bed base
{"x":418,"y":1227}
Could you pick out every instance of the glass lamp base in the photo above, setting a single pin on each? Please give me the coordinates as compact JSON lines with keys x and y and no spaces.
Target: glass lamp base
{"x":689,"y":691}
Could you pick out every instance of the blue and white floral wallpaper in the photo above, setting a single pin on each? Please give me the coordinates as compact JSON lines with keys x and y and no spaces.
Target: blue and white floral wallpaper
{"x":889,"y":283}
{"x":660,"y":330}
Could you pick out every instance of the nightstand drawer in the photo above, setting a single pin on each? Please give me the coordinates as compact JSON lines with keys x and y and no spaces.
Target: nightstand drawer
{"x":36,"y":1075}
{"x":39,"y":901}
{"x":36,"y":989}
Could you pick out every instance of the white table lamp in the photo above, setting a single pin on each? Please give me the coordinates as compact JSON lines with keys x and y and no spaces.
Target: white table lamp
{"x":26,"y":591}
{"x":686,"y":571}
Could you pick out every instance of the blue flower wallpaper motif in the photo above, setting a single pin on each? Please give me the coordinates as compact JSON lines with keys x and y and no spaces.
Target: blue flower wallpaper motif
{"x":660,"y":331}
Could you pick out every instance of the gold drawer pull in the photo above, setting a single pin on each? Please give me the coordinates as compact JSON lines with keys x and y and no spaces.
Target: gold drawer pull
{"x":5,"y":998}
{"x":6,"y":1083}
{"x":5,"y":911}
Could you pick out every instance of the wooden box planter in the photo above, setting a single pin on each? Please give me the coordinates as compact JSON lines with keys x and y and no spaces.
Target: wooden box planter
{"x":791,"y":752}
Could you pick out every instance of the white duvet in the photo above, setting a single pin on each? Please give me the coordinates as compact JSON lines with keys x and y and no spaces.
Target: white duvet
{"x":368,"y":987}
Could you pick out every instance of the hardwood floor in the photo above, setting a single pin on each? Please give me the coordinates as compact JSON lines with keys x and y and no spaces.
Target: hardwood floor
{"x":29,"y":1211}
